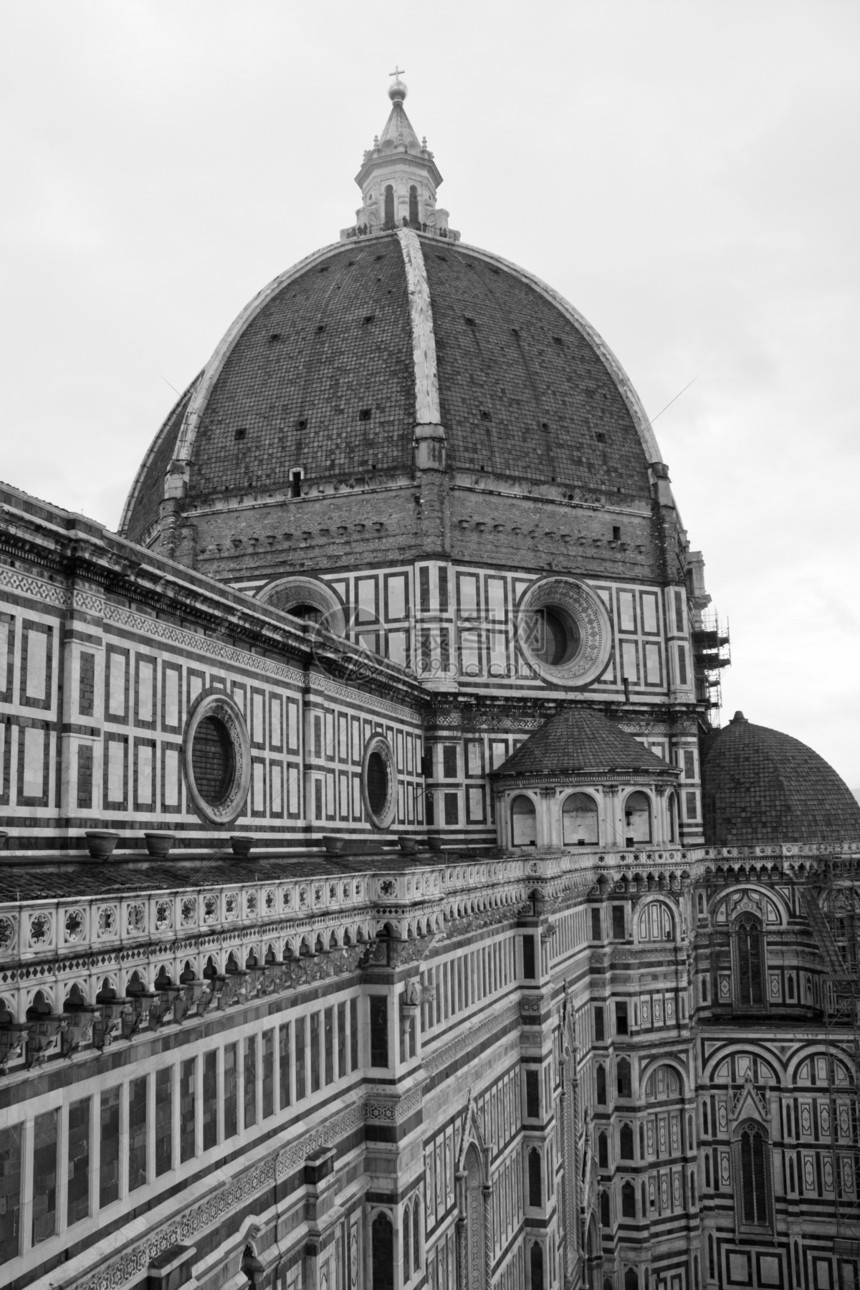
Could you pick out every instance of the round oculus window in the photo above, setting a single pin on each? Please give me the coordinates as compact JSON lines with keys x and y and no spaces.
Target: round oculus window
{"x":379,"y":782}
{"x":217,"y":758}
{"x":564,"y":632}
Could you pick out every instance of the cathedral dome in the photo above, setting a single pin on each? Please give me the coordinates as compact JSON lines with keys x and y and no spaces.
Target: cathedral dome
{"x":332,"y":367}
{"x":400,"y":397}
{"x":761,"y":786}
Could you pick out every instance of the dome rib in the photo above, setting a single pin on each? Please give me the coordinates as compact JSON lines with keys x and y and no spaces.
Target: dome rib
{"x":141,"y":508}
{"x":423,"y":336}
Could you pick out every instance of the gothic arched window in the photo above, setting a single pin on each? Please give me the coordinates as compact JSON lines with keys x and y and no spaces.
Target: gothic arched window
{"x":628,"y":1200}
{"x":413,"y":205}
{"x":407,"y":1232}
{"x":626,"y":1142}
{"x":389,"y":206}
{"x":749,"y":975}
{"x":382,"y":1250}
{"x":416,"y":1237}
{"x":536,"y":1267}
{"x":534,"y":1178}
{"x":663,"y":1084}
{"x":753,"y":1196}
{"x":656,"y":922}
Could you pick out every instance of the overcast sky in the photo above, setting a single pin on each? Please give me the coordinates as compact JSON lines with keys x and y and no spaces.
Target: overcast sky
{"x":686,"y":174}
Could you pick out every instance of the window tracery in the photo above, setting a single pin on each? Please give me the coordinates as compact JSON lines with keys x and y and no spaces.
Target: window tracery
{"x":749,"y":961}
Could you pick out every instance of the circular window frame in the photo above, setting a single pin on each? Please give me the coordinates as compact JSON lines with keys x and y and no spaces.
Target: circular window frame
{"x":567,"y":598}
{"x":309,"y":591}
{"x":384,"y":818}
{"x":220,"y":707}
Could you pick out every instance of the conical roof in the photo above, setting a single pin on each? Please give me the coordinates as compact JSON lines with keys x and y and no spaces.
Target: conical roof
{"x":579,"y":739}
{"x":398,"y":130}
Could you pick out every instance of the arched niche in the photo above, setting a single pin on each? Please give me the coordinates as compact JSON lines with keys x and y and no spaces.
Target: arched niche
{"x":523,"y":821}
{"x":638,"y":819}
{"x":579,"y":821}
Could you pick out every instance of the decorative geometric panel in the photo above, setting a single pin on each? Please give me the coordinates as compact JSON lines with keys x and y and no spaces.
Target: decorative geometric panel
{"x":36,"y":664}
{"x":144,"y":774}
{"x":739,"y":1269}
{"x":116,"y":771}
{"x":7,"y":656}
{"x":145,"y":698}
{"x":171,"y":791}
{"x":769,"y":1270}
{"x":809,"y":1174}
{"x":171,"y":697}
{"x":34,"y":745}
{"x":827,"y":1173}
{"x":116,"y":681}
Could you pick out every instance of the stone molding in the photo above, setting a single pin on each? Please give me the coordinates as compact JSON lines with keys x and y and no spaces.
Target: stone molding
{"x":132,"y":1262}
{"x":155,"y":627}
{"x":474,"y":1036}
{"x":335,"y":690}
{"x":27,"y":584}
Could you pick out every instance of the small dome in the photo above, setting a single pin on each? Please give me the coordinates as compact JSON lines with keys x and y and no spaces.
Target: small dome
{"x":761,"y":786}
{"x":397,"y":91}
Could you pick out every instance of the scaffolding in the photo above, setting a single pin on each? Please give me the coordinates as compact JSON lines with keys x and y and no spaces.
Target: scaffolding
{"x":832,"y":905}
{"x":711,"y":653}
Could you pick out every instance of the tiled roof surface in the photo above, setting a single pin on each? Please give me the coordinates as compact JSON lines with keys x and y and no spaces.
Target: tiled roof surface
{"x":25,"y":879}
{"x":759,"y":785}
{"x":398,"y":128}
{"x":579,"y":739}
{"x":522,"y":391}
{"x":322,"y":378}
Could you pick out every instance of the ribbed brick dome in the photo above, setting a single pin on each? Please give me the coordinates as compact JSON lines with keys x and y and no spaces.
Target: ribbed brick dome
{"x":761,"y":786}
{"x":332,"y":367}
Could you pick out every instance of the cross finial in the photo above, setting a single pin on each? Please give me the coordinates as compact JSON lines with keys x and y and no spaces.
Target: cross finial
{"x":398,"y":71}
